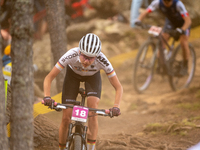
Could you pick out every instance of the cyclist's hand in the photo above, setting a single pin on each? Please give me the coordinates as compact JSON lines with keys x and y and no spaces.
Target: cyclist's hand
{"x":138,"y":23}
{"x":178,"y":33}
{"x":47,"y":101}
{"x":115,"y":111}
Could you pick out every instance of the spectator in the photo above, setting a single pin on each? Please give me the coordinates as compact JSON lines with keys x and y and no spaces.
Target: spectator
{"x":75,"y":9}
{"x":7,"y":70}
{"x":135,"y":7}
{"x":7,"y":64}
{"x":6,"y":9}
{"x":6,"y":38}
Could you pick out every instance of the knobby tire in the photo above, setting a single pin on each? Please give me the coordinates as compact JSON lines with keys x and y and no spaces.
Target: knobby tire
{"x":144,"y":66}
{"x":76,"y":143}
{"x":178,"y":83}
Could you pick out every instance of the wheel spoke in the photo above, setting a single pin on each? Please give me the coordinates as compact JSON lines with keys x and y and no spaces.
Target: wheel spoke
{"x":179,"y":81}
{"x":143,"y":68}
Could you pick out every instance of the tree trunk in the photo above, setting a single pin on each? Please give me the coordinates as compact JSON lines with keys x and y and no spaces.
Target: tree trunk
{"x":57,"y":29}
{"x":22,"y":76}
{"x":3,"y":135}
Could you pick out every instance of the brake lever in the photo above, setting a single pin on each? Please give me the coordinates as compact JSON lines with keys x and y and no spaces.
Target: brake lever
{"x":110,"y":114}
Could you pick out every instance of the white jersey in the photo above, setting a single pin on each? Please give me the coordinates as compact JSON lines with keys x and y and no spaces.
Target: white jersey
{"x":179,"y":7}
{"x":71,"y":58}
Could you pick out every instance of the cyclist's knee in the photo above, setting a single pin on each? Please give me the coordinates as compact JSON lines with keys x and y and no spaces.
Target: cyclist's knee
{"x":93,"y":120}
{"x":92,"y":102}
{"x":184,"y":39}
{"x":66,"y":118}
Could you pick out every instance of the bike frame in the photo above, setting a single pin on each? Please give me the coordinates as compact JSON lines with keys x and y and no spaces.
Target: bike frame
{"x":169,"y":62}
{"x":80,"y":128}
{"x":159,"y":47}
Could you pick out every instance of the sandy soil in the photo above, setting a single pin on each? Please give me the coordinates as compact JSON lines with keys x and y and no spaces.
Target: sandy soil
{"x":158,"y":119}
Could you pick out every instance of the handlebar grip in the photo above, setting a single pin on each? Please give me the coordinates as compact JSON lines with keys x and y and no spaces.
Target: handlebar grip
{"x":55,"y":104}
{"x":107,"y":111}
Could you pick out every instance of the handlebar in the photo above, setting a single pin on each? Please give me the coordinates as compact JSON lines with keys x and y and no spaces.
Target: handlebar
{"x":144,"y":26}
{"x":171,"y":32}
{"x":101,"y":112}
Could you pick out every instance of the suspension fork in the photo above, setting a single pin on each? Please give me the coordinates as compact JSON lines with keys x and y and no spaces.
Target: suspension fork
{"x":69,"y":138}
{"x":84,"y":137}
{"x":81,"y":130}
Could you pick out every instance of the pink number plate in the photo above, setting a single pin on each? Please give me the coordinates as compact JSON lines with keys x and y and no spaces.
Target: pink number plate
{"x":80,"y":114}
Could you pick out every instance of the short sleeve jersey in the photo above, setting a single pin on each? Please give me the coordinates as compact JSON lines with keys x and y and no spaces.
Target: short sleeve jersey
{"x":71,"y":58}
{"x":174,"y":13}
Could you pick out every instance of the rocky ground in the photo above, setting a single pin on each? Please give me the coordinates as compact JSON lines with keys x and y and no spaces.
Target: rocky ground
{"x":158,"y":119}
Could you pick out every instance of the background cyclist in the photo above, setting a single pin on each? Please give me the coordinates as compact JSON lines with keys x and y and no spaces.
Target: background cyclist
{"x":177,"y":18}
{"x":83,"y":65}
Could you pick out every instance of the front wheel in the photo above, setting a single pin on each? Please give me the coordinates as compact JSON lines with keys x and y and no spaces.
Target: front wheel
{"x":76,"y":143}
{"x":144,"y":66}
{"x":178,"y":81}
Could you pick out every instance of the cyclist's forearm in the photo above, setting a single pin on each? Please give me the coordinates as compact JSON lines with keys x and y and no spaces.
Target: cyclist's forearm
{"x":187,"y":23}
{"x":143,"y":15}
{"x":48,"y":79}
{"x":47,"y":87}
{"x":118,"y":97}
{"x":118,"y":89}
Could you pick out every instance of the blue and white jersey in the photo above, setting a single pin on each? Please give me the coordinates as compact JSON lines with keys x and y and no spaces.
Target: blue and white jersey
{"x":175,"y":13}
{"x":71,"y":58}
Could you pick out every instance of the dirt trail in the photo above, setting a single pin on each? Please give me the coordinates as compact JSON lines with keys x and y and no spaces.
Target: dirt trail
{"x":158,"y":119}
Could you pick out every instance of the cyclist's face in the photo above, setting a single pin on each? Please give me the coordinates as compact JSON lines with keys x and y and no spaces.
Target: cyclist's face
{"x":85,"y":60}
{"x":167,"y":3}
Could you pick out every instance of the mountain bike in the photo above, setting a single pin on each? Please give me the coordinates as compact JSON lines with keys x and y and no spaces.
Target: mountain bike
{"x":77,"y":129}
{"x":169,"y":62}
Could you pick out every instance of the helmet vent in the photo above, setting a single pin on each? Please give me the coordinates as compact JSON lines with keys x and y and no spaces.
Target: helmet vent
{"x":90,"y":45}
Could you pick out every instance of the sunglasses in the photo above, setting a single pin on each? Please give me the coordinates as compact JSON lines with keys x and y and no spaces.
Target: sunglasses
{"x":86,"y":57}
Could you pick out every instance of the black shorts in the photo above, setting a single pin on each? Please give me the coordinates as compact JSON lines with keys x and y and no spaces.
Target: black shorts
{"x":169,"y":26}
{"x":72,"y":83}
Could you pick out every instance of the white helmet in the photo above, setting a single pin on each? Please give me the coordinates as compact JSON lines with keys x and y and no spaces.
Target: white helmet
{"x":90,"y":45}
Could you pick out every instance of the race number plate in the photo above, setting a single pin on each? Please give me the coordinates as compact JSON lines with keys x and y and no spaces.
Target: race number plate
{"x":80,"y":114}
{"x":155,"y":30}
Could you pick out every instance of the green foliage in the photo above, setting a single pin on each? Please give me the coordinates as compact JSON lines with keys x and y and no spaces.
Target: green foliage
{"x":183,"y":133}
{"x":155,"y":127}
{"x":179,"y":128}
{"x":190,"y":106}
{"x":195,"y":118}
{"x":186,"y":122}
{"x":131,"y":35}
{"x":198,"y":94}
